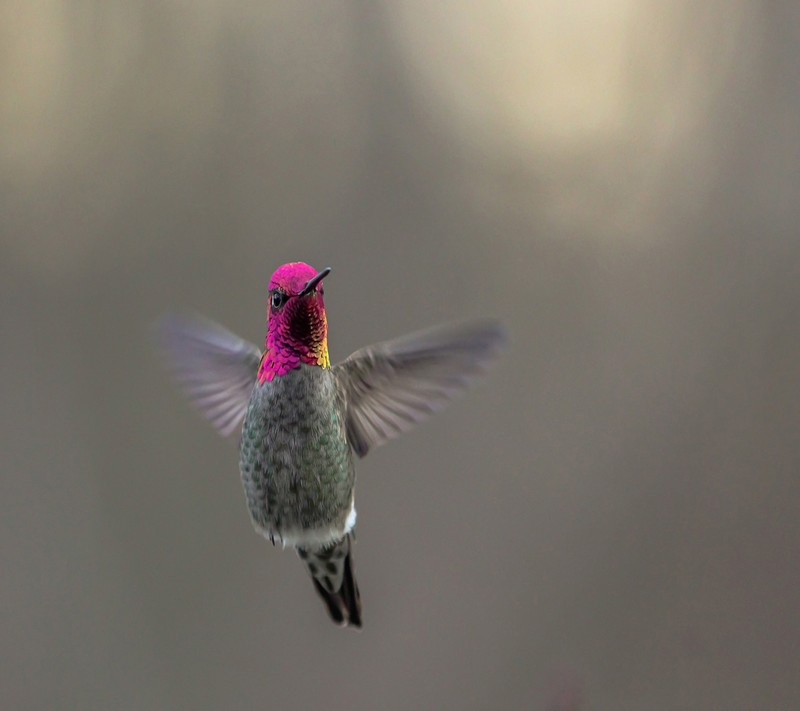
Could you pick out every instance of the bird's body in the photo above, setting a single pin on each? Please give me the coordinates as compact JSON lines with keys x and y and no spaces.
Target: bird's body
{"x":296,"y":465}
{"x":298,"y":475}
{"x":303,"y":422}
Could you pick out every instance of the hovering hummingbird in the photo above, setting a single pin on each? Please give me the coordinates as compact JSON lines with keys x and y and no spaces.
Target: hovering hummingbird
{"x":305,"y":421}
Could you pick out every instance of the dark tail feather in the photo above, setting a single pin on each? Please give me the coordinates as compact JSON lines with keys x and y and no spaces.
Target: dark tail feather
{"x":331,"y":571}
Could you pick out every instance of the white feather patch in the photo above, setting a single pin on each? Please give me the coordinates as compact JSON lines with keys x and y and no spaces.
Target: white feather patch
{"x":313,"y":537}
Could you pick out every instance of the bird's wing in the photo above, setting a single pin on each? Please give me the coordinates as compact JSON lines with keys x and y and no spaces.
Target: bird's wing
{"x":215,"y":367}
{"x":392,"y":386}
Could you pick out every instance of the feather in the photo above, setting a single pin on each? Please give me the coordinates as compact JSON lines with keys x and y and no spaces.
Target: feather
{"x":216,"y":368}
{"x":391,"y":387}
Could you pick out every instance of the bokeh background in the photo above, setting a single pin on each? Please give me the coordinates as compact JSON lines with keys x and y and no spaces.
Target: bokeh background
{"x":609,"y":522}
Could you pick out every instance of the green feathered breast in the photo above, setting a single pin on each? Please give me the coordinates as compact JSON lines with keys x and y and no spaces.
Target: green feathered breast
{"x":296,"y":465}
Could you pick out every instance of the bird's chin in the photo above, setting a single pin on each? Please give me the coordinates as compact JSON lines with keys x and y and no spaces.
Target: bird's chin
{"x":307,"y":323}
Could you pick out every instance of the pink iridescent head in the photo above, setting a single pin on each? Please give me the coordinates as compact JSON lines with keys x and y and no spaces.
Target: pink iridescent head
{"x":297,"y":330}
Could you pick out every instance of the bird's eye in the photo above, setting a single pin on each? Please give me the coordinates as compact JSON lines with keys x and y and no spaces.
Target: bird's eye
{"x":278,"y":299}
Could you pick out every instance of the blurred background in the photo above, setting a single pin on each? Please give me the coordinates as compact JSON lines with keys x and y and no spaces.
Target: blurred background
{"x":609,"y":522}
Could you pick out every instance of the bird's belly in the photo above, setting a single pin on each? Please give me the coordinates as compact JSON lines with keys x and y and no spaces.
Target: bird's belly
{"x":298,"y":475}
{"x":293,"y":499}
{"x":315,"y":536}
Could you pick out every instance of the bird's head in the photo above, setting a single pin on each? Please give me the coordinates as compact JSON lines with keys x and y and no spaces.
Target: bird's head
{"x":297,"y":330}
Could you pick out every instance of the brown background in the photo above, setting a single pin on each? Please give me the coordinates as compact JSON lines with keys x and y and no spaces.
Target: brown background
{"x":609,"y":522}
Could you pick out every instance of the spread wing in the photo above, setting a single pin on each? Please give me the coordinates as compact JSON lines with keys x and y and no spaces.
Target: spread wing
{"x":215,"y":367}
{"x":392,"y":386}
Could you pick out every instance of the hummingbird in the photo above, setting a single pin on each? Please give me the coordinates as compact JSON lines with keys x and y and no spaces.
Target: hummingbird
{"x":303,"y":423}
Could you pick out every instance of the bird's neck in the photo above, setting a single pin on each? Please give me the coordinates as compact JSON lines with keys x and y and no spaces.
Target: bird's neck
{"x":286,"y":352}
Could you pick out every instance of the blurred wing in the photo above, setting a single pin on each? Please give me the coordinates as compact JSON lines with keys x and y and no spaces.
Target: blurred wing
{"x":392,"y":386}
{"x":216,"y":368}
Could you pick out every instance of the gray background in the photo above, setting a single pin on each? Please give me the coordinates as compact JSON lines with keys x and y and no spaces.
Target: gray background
{"x":609,"y":522}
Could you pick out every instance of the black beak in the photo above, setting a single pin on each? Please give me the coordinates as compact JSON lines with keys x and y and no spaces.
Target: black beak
{"x":311,"y":284}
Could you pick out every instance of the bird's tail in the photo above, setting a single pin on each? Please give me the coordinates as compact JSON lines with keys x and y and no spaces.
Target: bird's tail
{"x":331,"y":571}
